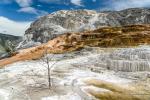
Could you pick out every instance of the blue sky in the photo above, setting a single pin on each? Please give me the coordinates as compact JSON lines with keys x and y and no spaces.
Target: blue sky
{"x":28,"y":10}
{"x":22,"y":12}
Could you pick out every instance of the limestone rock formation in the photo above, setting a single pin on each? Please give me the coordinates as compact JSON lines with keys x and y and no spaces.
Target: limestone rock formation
{"x":132,"y":35}
{"x":52,"y":25}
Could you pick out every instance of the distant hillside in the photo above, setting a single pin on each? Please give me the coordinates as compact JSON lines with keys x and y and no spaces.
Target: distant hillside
{"x":8,"y":42}
{"x":54,"y":24}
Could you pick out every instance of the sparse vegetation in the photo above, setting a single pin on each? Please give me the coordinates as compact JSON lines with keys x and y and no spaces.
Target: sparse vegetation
{"x":116,"y":92}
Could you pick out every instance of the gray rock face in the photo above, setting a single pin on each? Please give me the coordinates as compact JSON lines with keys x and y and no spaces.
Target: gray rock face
{"x":54,"y":24}
{"x":8,"y":44}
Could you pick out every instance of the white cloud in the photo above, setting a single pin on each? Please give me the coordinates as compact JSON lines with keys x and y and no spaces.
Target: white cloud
{"x":28,"y":10}
{"x":32,"y":10}
{"x":124,"y":4}
{"x":77,"y":2}
{"x":24,"y":3}
{"x":26,"y":7}
{"x":8,"y":26}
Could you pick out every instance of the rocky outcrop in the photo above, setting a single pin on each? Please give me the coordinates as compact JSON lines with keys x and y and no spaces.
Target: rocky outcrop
{"x":132,"y":35}
{"x":8,"y":44}
{"x":52,"y":25}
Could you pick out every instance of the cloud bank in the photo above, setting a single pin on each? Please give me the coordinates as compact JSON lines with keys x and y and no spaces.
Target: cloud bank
{"x":8,"y":26}
{"x":26,"y":7}
{"x":24,"y":3}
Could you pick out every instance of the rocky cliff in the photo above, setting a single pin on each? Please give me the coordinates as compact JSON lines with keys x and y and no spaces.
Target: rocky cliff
{"x":54,"y":24}
{"x":8,"y":43}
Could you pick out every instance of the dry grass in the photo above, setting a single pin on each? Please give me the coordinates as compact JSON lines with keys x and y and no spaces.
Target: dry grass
{"x":117,"y":92}
{"x":113,"y":96}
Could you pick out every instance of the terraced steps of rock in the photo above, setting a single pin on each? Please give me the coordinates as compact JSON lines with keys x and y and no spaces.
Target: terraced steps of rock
{"x":68,"y":42}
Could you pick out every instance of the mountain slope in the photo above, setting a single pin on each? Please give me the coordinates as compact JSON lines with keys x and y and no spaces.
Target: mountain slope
{"x":52,"y":25}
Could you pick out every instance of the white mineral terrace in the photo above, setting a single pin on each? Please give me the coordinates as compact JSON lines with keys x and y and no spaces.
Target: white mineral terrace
{"x":28,"y":80}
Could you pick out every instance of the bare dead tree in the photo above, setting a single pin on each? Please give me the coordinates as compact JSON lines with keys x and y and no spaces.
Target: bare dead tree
{"x":46,"y":59}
